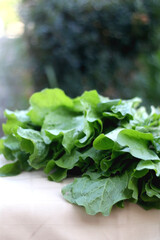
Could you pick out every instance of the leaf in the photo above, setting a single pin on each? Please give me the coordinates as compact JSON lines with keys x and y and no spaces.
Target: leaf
{"x":20,"y":116}
{"x":49,"y":166}
{"x":89,"y":99}
{"x":12,"y":143}
{"x":126,"y":107}
{"x":138,"y":144}
{"x":97,"y":195}
{"x":156,"y":143}
{"x":32,"y":142}
{"x":73,"y":129}
{"x":151,"y":192}
{"x":106,"y":104}
{"x":65,"y":124}
{"x":68,"y":161}
{"x":150,"y":165}
{"x":11,"y":169}
{"x":46,"y":101}
{"x":103,"y":143}
{"x":15,"y":168}
{"x":58,"y":175}
{"x":14,"y":120}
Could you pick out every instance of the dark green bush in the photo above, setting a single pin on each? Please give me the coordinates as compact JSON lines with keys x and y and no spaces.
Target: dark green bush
{"x":86,"y":44}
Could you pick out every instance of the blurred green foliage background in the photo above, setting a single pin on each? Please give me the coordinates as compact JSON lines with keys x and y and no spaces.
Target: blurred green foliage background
{"x":8,"y":11}
{"x":111,"y":46}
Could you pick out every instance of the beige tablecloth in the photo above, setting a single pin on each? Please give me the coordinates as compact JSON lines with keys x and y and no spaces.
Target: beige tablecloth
{"x":31,"y":207}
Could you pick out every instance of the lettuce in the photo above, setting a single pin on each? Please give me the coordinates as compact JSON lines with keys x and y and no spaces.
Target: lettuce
{"x":111,"y":147}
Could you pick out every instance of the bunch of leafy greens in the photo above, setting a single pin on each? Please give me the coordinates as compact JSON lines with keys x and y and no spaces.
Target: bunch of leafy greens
{"x":112,"y":146}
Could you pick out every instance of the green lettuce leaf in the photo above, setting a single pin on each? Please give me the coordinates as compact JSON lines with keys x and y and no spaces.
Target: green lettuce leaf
{"x":138,"y":144}
{"x":32,"y":143}
{"x":97,"y":195}
{"x":45,"y":101}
